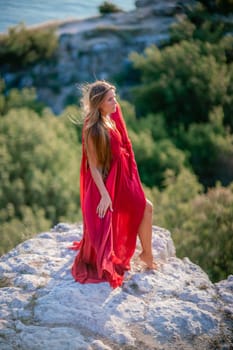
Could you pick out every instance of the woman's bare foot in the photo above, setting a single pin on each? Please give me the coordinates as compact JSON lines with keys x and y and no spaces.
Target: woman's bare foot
{"x":148,"y":260}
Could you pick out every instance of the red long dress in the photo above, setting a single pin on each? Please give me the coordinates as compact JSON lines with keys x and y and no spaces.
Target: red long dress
{"x":108,"y":243}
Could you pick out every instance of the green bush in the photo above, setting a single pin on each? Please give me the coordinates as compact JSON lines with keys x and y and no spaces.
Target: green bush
{"x":224,"y":6}
{"x":200,"y":223}
{"x":154,"y":151}
{"x":39,"y":161}
{"x":210,"y":147}
{"x":108,"y":7}
{"x":172,"y":204}
{"x":186,"y":85}
{"x":21,"y":46}
{"x":210,"y":232}
{"x":184,"y":82}
{"x":200,"y":24}
{"x":15,"y":230}
{"x":155,"y":157}
{"x":15,"y":98}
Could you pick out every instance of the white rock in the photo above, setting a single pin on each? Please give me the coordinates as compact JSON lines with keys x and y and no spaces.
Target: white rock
{"x":174,"y":307}
{"x":98,"y":345}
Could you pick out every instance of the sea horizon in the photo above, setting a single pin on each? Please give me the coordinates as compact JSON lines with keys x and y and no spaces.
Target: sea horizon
{"x":50,"y":11}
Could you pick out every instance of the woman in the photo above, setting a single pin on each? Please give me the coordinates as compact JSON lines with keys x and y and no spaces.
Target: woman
{"x":113,"y":203}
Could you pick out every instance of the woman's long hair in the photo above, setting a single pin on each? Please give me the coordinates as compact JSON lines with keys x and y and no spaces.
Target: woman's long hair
{"x":95,"y":125}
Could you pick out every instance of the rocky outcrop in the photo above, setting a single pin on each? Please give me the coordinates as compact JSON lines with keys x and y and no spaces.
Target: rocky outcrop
{"x":97,"y":48}
{"x":174,"y":307}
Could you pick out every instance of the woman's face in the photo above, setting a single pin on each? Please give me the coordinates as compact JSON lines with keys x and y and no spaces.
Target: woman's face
{"x":109,"y":103}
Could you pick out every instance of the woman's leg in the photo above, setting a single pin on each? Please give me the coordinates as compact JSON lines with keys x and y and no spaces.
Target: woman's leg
{"x":145,"y":236}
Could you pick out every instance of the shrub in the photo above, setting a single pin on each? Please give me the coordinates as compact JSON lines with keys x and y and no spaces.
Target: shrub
{"x":224,"y":6}
{"x":21,"y":46}
{"x":184,"y":82}
{"x":200,"y":223}
{"x":207,"y":237}
{"x":108,"y":7}
{"x":188,"y":84}
{"x":39,"y":161}
{"x":210,"y":146}
{"x":155,"y":157}
{"x":15,"y":98}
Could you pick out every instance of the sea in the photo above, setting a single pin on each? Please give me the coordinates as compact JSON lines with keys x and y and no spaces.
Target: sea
{"x":34,"y":12}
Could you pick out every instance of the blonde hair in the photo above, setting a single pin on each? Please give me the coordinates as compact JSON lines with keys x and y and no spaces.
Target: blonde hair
{"x":95,"y":125}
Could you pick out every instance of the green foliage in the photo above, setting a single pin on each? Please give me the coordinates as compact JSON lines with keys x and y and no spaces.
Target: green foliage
{"x":185,"y":96}
{"x":172,"y":203}
{"x":185,"y":81}
{"x":21,"y":46}
{"x":18,"y":98}
{"x":211,"y":148}
{"x":196,"y":231}
{"x":189,"y":85}
{"x":108,"y":7}
{"x":182,"y":30}
{"x":128,"y":111}
{"x":154,"y":151}
{"x":155,"y":123}
{"x":15,"y":230}
{"x":207,"y":31}
{"x":39,"y":163}
{"x":211,"y":233}
{"x":155,"y":157}
{"x":201,"y":223}
{"x":202,"y":25}
{"x":223,"y":6}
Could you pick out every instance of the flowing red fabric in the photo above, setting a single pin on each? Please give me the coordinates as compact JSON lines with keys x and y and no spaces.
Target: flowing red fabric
{"x":109,"y":243}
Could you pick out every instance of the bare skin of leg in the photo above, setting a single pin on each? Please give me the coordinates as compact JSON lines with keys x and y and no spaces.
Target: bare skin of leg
{"x":145,"y":236}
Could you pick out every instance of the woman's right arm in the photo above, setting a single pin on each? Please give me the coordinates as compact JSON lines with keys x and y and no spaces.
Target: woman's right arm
{"x":105,"y":201}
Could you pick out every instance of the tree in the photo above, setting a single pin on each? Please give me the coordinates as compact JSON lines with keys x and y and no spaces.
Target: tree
{"x":184,"y":81}
{"x":200,"y":223}
{"x":22,"y":46}
{"x":15,"y":98}
{"x":190,"y":85}
{"x":154,"y":151}
{"x":211,"y":149}
{"x":39,"y":164}
{"x":108,"y":7}
{"x":207,"y":237}
{"x":224,"y":6}
{"x":155,"y":157}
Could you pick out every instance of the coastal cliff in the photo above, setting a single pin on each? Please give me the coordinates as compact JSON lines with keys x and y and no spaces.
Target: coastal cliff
{"x":96,"y":48}
{"x":174,"y":307}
